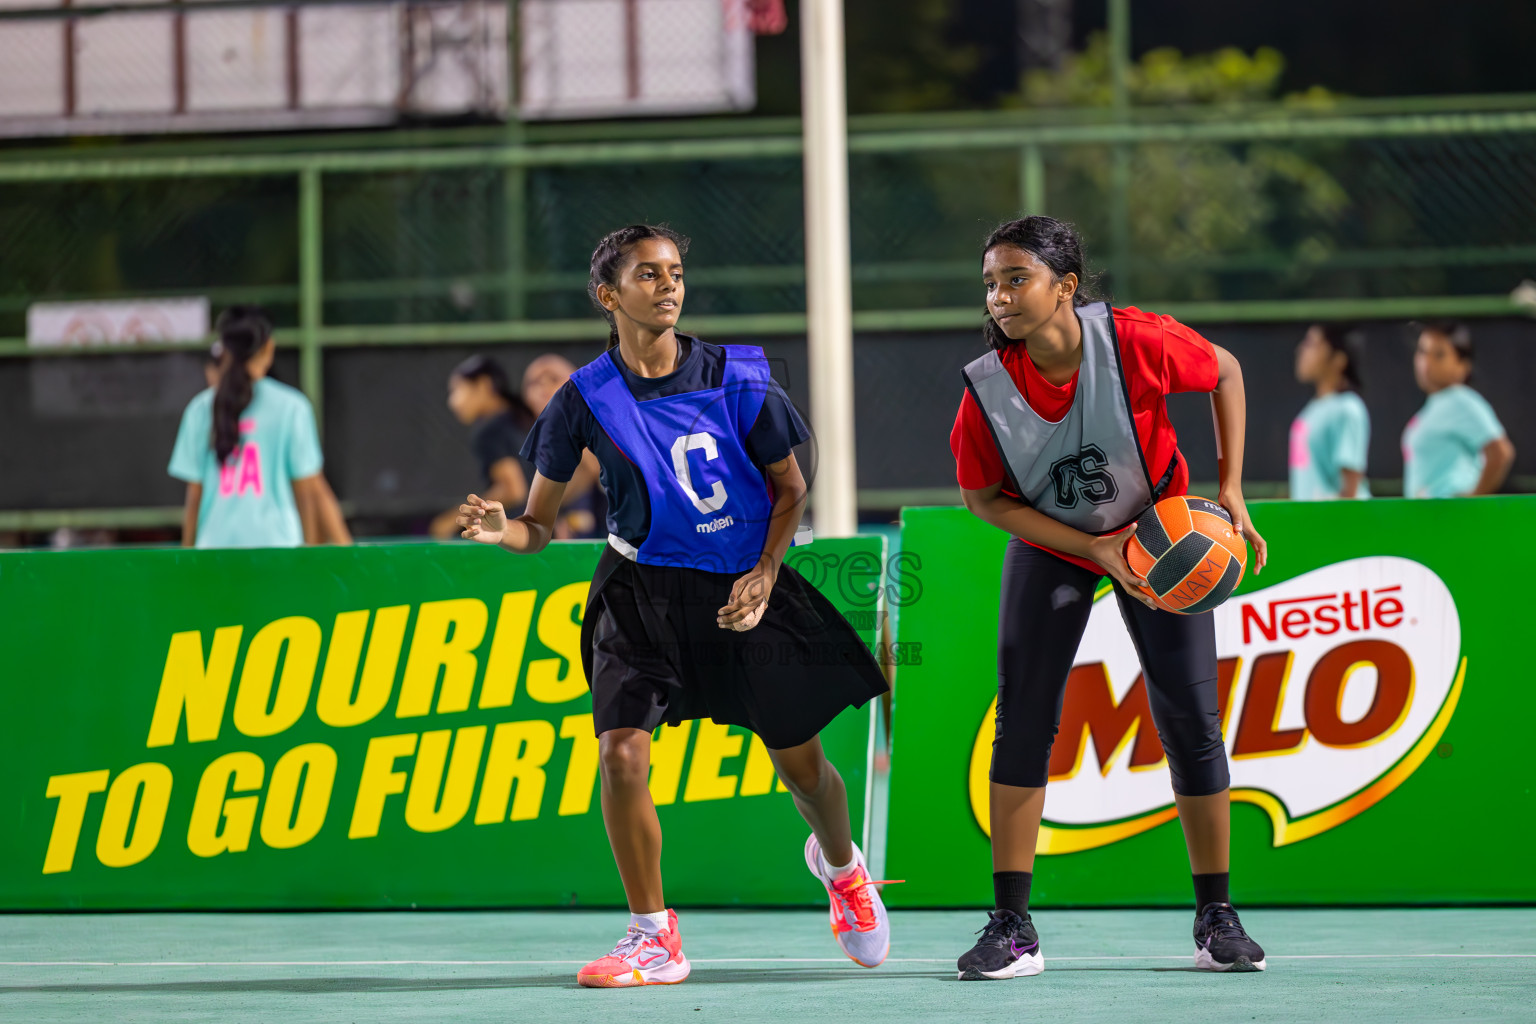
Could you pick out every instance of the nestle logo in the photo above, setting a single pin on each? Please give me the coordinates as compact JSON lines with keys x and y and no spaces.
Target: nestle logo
{"x":1325,"y":614}
{"x":715,"y":524}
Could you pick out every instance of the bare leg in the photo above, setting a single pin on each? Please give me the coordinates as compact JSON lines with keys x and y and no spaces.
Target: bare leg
{"x":1016,"y":814}
{"x":820,"y":796}
{"x":1207,"y":823}
{"x":634,"y":831}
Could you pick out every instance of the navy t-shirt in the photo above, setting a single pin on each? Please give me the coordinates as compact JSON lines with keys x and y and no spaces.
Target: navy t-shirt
{"x":498,"y":437}
{"x":566,"y":427}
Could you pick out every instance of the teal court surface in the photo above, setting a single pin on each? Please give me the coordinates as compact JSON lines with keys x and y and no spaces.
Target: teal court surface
{"x":1354,"y":965}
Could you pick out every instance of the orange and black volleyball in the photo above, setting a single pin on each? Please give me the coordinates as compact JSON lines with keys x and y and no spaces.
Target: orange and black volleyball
{"x":1186,"y":548}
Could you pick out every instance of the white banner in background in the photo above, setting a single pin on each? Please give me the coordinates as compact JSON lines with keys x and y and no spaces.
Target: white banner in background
{"x":59,"y":324}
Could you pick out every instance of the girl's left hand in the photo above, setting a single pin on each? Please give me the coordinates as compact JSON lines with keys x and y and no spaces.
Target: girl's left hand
{"x":749,"y":599}
{"x":1237,"y":508}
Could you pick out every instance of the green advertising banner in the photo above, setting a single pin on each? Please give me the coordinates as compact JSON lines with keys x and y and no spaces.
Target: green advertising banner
{"x":1376,"y":698}
{"x":360,"y":727}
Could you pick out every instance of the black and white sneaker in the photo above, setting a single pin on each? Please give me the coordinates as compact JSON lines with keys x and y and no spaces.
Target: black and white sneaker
{"x":1221,"y":944}
{"x":1008,"y":948}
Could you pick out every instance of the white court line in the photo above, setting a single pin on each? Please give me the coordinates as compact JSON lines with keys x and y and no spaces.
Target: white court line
{"x":720,"y":960}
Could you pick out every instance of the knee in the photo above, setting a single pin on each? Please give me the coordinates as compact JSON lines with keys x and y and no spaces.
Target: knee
{"x":625,"y":759}
{"x":1021,"y":751}
{"x":1197,"y":757}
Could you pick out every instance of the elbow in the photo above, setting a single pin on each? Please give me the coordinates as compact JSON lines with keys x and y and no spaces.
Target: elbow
{"x":1228,"y":369}
{"x":1503,"y":458}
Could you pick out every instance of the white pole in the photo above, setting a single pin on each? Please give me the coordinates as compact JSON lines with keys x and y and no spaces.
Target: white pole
{"x":828,"y":288}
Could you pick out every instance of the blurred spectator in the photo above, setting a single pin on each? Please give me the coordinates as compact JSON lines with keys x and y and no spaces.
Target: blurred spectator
{"x":249,"y":452}
{"x":481,"y":397}
{"x":1454,"y":445}
{"x":1330,"y":437}
{"x":583,"y":510}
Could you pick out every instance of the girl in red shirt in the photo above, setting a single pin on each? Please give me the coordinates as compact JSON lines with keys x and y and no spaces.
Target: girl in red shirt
{"x":1062,"y":440}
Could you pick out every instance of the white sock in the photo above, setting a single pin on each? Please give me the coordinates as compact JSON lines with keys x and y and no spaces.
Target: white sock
{"x":651,"y":924}
{"x":839,"y":872}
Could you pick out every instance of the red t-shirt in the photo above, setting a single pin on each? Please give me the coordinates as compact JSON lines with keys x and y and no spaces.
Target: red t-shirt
{"x":1161,"y":357}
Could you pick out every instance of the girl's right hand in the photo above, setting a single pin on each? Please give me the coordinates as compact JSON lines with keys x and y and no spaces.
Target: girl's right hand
{"x":483,"y":520}
{"x":1109,"y":552}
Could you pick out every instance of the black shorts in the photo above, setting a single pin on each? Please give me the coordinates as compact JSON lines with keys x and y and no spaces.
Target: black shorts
{"x":655,"y":655}
{"x":1044,"y":611}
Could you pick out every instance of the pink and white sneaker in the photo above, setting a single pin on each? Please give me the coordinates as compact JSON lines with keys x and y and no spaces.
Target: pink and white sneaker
{"x":640,"y":959}
{"x":860,"y":923}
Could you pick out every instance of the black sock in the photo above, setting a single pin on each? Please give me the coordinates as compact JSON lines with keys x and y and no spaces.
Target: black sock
{"x":1211,"y":888}
{"x":1010,"y":890}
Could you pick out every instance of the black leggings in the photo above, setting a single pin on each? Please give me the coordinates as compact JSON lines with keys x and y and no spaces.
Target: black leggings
{"x":1045,"y":606}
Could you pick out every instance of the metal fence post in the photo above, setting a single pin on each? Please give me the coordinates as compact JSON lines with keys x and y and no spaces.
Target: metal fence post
{"x":1120,"y":159}
{"x":1031,"y":181}
{"x":515,"y":189}
{"x":310,"y":373}
{"x":828,"y":270}
{"x":514,"y":184}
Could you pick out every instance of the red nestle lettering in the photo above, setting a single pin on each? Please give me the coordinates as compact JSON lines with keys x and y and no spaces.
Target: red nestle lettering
{"x":1296,"y":623}
{"x":1330,"y":614}
{"x":1389,"y":612}
{"x":1251,"y":618}
{"x":1349,"y":609}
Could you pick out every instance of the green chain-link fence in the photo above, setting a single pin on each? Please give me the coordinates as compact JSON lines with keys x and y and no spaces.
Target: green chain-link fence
{"x":1370,"y":210}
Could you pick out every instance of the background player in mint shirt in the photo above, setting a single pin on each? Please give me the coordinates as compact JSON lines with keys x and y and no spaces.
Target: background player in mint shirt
{"x":1455,"y":444}
{"x":1330,"y":436}
{"x":249,"y":452}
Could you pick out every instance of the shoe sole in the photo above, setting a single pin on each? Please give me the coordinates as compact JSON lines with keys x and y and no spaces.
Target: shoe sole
{"x":812,"y":855}
{"x":1026,"y":966}
{"x":1242,"y":965}
{"x":636,"y":979}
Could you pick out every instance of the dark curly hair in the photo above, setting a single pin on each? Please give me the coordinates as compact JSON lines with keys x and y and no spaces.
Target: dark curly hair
{"x":609,"y":257}
{"x":1056,"y":244}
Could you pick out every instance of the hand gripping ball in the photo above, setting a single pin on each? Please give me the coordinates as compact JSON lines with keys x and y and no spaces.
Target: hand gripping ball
{"x":1187,"y":549}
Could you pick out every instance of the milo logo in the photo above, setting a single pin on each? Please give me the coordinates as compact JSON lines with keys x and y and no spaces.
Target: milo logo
{"x":1333,"y":686}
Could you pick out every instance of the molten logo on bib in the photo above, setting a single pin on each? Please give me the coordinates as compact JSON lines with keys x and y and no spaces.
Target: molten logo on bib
{"x":1334,"y":687}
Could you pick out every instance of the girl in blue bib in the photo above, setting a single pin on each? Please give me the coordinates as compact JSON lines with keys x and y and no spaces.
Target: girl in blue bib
{"x":695,"y":443}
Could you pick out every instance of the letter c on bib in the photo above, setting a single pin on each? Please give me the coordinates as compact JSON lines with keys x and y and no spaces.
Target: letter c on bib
{"x":680,"y":449}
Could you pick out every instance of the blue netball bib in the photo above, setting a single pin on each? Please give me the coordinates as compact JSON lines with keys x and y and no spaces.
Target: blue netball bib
{"x":709,"y":502}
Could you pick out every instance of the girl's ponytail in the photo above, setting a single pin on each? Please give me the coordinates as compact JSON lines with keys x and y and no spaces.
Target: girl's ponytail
{"x":242,"y":331}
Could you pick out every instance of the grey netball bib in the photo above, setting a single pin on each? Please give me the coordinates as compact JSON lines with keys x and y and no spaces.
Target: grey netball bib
{"x":1087,"y":469}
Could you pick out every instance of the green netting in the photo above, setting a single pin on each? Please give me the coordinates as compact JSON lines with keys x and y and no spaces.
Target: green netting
{"x":1404,"y":215}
